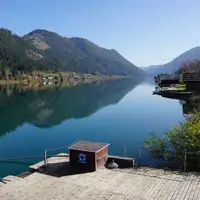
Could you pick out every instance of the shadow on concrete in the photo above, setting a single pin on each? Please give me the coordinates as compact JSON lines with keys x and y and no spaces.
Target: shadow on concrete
{"x":4,"y":181}
{"x":62,"y":169}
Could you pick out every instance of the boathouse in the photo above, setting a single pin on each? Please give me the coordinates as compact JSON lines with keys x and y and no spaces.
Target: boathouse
{"x":167,"y":82}
{"x":192,"y":81}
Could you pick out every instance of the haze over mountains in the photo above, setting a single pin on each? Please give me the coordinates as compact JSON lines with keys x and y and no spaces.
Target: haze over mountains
{"x":43,"y":50}
{"x":175,"y":64}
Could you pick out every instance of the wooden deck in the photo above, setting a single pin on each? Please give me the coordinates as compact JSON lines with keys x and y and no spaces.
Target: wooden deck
{"x":141,"y":184}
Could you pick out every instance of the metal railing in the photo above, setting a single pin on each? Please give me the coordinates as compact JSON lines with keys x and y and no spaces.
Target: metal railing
{"x":181,"y":159}
{"x":54,"y":149}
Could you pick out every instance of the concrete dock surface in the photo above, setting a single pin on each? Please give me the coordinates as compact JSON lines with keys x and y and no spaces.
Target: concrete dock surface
{"x":62,"y":183}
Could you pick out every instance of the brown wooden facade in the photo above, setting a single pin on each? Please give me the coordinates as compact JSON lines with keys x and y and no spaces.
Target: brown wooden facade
{"x":192,"y":81}
{"x":168,"y":82}
{"x":191,"y":77}
{"x":88,"y":155}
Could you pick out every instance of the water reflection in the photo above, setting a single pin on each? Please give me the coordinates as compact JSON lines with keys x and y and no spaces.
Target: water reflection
{"x":190,"y":103}
{"x":46,"y":107}
{"x":190,"y":106}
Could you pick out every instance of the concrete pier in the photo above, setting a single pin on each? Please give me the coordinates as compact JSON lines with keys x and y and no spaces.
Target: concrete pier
{"x":60,"y":182}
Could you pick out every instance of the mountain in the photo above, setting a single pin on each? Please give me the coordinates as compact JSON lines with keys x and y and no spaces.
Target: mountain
{"x":175,"y":64}
{"x":80,"y":55}
{"x":16,"y":53}
{"x":44,"y":50}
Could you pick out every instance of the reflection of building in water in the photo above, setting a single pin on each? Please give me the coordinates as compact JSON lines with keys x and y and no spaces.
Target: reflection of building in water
{"x":181,"y":102}
{"x":190,"y":106}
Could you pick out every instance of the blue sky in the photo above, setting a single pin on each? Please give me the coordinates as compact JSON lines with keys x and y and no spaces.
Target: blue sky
{"x":145,"y":32}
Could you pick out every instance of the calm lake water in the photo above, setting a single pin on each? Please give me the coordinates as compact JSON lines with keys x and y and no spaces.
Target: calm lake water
{"x":119,"y":112}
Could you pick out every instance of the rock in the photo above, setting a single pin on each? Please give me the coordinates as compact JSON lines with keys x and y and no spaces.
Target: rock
{"x":112,"y":165}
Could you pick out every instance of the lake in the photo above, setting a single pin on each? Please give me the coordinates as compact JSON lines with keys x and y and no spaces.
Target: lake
{"x":122,"y":112}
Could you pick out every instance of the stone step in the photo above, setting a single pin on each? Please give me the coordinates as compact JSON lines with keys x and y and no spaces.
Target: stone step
{"x":8,"y":180}
{"x":18,"y":185}
{"x":62,"y":157}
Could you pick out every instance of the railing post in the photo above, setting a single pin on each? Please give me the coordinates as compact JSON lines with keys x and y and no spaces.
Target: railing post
{"x":185,"y":160}
{"x":46,"y":150}
{"x":140,"y":154}
{"x":45,"y":158}
{"x":125,"y":150}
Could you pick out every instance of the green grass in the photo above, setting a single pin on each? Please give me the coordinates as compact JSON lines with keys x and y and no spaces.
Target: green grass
{"x":180,"y":88}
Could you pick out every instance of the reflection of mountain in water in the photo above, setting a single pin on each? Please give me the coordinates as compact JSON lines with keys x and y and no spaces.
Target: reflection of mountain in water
{"x":49,"y":107}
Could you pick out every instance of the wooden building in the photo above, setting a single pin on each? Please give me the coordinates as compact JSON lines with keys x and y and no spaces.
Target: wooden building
{"x":192,"y":81}
{"x":167,"y":82}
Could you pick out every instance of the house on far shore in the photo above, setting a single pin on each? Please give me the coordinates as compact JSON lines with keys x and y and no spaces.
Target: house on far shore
{"x":49,"y":77}
{"x":192,"y":81}
{"x":76,"y":78}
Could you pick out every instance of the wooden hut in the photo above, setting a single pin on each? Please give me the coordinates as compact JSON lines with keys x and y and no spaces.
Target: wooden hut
{"x":89,"y":156}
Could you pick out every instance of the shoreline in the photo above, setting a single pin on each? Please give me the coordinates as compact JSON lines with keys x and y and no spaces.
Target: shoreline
{"x":53,"y":81}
